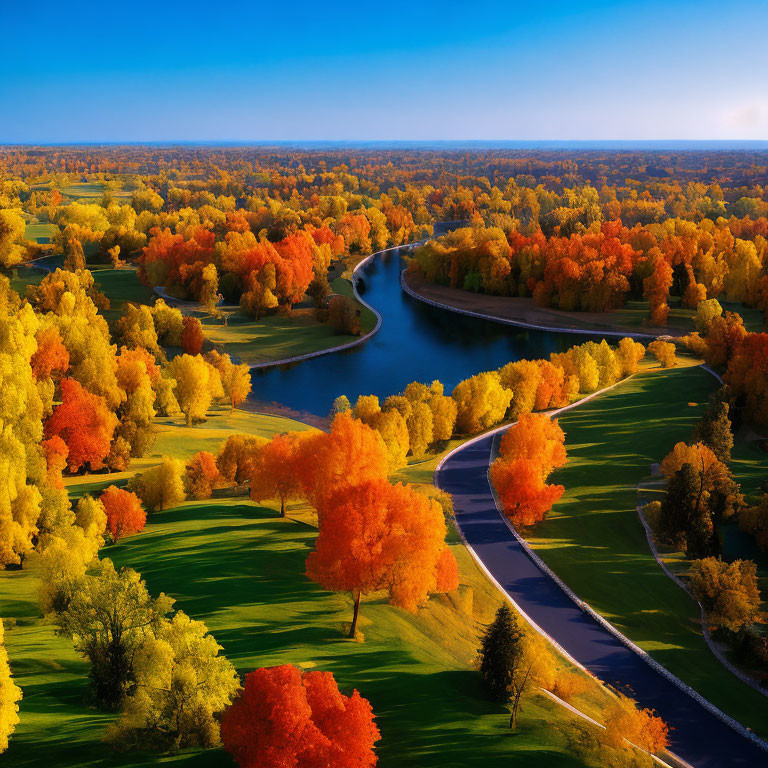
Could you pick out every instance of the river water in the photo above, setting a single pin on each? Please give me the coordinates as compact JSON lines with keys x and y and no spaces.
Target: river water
{"x":416,"y":342}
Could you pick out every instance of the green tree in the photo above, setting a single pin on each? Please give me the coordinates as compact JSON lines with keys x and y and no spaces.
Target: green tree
{"x":714,"y":430}
{"x":108,"y":616}
{"x":181,"y":682}
{"x":499,"y":652}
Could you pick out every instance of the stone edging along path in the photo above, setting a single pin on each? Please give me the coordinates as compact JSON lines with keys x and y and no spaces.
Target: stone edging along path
{"x":519,"y":323}
{"x":655,"y":665}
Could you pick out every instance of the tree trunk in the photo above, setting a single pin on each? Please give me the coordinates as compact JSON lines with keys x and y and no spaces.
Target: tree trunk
{"x":282,"y":507}
{"x":355,"y":616}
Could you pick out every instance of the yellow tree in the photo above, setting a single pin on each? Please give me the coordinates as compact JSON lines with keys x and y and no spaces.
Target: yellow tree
{"x":236,"y":455}
{"x":522,"y":377}
{"x":181,"y":683}
{"x":136,"y":327}
{"x":209,"y":289}
{"x":235,"y":379}
{"x":194,"y":383}
{"x":629,"y":355}
{"x":481,"y":402}
{"x":13,"y":245}
{"x":10,"y":695}
{"x":22,"y":467}
{"x":664,"y":352}
{"x":728,"y":591}
{"x":162,"y":486}
{"x":169,"y":324}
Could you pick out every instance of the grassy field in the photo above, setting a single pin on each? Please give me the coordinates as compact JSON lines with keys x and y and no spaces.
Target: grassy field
{"x":240,"y":568}
{"x":633,"y":313}
{"x":91,"y":190}
{"x":593,"y":538}
{"x":119,"y":286}
{"x":277,"y":337}
{"x":41,"y":232}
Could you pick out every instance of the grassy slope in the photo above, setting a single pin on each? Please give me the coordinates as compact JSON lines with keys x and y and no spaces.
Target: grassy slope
{"x":594,"y":540}
{"x":239,"y":568}
{"x":276,"y":337}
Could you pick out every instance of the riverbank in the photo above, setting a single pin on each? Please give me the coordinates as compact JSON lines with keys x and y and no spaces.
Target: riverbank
{"x":524,"y":313}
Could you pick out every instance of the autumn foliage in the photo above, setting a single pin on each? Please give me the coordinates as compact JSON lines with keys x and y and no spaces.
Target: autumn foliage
{"x":85,"y":423}
{"x":277,"y":470}
{"x":125,"y":515}
{"x":286,"y":717}
{"x":380,"y":537}
{"x":530,"y":450}
{"x":192,"y":336}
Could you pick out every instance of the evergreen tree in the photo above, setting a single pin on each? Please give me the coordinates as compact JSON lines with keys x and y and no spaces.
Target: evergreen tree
{"x":678,"y":506}
{"x":500,"y":652}
{"x":685,"y":520}
{"x":714,"y":430}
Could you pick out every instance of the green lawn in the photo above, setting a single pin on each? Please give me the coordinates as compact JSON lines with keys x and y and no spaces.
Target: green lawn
{"x":41,"y":232}
{"x":93,"y":190}
{"x":593,"y":538}
{"x":277,"y":337}
{"x":119,"y":286}
{"x":634,"y":313}
{"x":240,"y":568}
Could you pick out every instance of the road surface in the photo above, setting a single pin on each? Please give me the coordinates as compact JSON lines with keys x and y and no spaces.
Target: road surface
{"x":699,"y":737}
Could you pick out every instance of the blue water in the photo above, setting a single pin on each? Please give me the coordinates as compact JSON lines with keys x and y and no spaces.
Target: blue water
{"x":416,"y":342}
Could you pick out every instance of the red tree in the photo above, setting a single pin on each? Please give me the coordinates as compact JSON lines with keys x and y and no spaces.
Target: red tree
{"x":85,"y":423}
{"x":125,"y":515}
{"x":192,"y":337}
{"x":286,"y":718}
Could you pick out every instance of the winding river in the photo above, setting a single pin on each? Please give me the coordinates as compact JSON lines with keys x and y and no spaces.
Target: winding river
{"x":416,"y":342}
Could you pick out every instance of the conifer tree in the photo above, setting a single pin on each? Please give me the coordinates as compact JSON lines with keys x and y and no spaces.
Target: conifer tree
{"x":714,"y":430}
{"x":499,"y":653}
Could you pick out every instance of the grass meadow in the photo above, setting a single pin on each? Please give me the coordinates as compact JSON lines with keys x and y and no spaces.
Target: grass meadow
{"x":593,"y":538}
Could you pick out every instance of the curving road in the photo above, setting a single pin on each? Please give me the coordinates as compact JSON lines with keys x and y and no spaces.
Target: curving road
{"x":699,"y":737}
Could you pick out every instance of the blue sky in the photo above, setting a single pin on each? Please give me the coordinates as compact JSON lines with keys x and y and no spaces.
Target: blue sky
{"x":165,"y":71}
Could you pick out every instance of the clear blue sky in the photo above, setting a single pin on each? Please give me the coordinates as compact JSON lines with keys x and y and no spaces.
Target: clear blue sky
{"x":478,"y":69}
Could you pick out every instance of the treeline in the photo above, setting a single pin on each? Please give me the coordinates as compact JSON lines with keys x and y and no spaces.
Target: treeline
{"x":268,"y":223}
{"x":600,"y":266}
{"x":74,"y":401}
{"x":423,"y":417}
{"x":724,"y":342}
{"x":700,"y":497}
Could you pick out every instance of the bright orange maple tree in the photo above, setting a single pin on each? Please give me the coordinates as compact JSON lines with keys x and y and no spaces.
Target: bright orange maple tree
{"x":286,"y":717}
{"x":530,"y":450}
{"x":276,"y":470}
{"x":125,"y":515}
{"x":380,"y":537}
{"x":350,"y":454}
{"x":85,"y":423}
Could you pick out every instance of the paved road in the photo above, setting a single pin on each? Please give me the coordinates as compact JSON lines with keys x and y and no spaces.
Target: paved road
{"x":698,"y":737}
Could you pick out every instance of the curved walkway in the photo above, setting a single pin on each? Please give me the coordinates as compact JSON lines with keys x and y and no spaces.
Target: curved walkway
{"x":701,"y":736}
